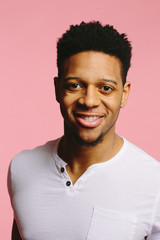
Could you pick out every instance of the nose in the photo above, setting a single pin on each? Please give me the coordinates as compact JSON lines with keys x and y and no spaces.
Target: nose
{"x":89,"y":98}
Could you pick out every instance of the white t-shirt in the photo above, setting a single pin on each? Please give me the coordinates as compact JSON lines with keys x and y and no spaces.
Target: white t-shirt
{"x":115,"y":200}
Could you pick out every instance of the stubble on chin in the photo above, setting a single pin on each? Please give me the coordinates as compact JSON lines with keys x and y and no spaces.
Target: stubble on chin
{"x":81,"y":142}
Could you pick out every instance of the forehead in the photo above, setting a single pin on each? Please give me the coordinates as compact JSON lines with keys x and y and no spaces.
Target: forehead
{"x":92,"y":64}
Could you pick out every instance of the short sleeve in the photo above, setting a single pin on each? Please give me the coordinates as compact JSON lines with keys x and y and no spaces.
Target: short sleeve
{"x":9,"y":182}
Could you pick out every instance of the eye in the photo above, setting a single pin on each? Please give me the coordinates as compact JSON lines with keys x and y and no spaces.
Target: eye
{"x":73,"y":86}
{"x":106,"y":89}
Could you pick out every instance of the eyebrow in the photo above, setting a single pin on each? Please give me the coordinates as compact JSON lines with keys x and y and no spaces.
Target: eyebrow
{"x":102,"y":79}
{"x":71,"y":78}
{"x":109,"y":80}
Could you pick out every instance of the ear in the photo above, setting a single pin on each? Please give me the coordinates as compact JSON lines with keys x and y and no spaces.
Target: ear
{"x":126,"y":91}
{"x":56,"y":85}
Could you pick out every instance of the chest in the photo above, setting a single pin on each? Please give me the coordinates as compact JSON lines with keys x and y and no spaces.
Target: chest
{"x":90,"y":210}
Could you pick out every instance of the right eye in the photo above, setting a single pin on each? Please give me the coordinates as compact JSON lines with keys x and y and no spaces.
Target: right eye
{"x":73,"y":86}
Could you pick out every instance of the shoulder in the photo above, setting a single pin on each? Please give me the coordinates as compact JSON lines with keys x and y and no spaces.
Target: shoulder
{"x":30,"y":166}
{"x":138,"y":154}
{"x":34,"y":158}
{"x":140,"y":170}
{"x":141,"y":163}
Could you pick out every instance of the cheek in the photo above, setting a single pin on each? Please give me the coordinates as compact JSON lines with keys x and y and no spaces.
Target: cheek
{"x":70,"y":100}
{"x":113,"y":103}
{"x":67,"y":104}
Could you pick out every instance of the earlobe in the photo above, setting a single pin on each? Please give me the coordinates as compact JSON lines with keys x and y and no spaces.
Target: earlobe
{"x":126,"y":91}
{"x":56,"y":85}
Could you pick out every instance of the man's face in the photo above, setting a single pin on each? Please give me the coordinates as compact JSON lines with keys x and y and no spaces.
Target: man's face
{"x":91,"y":93}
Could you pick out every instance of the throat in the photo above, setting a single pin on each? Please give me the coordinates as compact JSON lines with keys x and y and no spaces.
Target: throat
{"x":79,"y":158}
{"x":74,"y":174}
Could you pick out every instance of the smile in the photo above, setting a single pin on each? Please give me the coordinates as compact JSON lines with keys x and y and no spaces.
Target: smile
{"x":88,"y":121}
{"x":90,"y":118}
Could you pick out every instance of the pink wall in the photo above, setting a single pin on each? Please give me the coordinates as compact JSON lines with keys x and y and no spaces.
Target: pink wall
{"x":29,"y":112}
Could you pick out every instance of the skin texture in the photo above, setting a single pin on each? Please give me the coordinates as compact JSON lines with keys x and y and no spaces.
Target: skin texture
{"x":91,"y":85}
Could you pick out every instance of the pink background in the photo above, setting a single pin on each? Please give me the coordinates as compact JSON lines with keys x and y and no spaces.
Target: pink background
{"x":29,"y":113}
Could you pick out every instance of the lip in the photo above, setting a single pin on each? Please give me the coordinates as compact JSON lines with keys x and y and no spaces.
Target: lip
{"x":88,"y":120}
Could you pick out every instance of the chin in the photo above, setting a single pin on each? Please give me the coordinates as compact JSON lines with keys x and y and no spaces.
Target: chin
{"x":88,"y":142}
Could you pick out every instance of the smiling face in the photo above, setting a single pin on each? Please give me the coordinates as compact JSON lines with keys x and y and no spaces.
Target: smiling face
{"x":91,"y":93}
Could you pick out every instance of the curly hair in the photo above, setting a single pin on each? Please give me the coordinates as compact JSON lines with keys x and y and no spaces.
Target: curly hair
{"x":93,"y":36}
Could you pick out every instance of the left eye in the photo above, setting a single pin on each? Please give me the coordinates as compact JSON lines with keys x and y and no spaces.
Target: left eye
{"x":106,"y":88}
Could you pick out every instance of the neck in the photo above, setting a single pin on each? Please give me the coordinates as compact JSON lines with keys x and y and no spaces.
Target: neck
{"x":79,"y":157}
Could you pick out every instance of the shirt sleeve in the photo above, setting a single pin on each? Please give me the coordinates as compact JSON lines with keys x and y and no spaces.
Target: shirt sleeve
{"x":155,"y":232}
{"x":9,"y":181}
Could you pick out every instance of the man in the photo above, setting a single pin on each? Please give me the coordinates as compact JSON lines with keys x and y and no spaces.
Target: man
{"x":91,"y":183}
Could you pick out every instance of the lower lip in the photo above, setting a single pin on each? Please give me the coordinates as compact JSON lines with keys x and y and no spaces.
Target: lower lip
{"x":88,"y":124}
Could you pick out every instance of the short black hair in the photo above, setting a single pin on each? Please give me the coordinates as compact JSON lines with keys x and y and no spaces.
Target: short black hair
{"x":93,"y":36}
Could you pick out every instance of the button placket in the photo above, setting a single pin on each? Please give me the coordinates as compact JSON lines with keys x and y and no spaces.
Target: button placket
{"x":63,"y":171}
{"x":68,"y":183}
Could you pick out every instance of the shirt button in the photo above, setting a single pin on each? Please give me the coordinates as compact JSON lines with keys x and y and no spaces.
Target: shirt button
{"x":62,"y":169}
{"x":68,"y":183}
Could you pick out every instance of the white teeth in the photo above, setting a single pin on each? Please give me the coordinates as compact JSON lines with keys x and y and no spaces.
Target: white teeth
{"x":90,"y":118}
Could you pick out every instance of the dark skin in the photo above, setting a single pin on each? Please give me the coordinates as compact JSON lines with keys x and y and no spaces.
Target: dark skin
{"x":91,"y":86}
{"x":15,"y":232}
